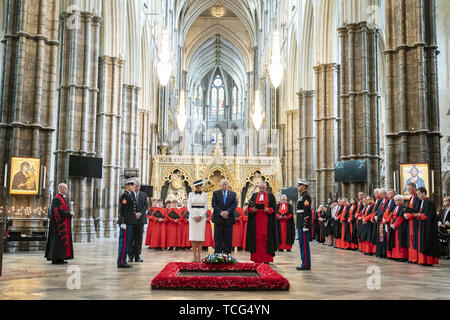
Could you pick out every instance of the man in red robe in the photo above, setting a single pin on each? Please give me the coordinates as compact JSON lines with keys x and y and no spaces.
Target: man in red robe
{"x":238,"y":228}
{"x":158,"y":235}
{"x":262,"y":236}
{"x":184,"y":227}
{"x":244,"y":225}
{"x":358,"y":217}
{"x":380,"y":237}
{"x":150,"y":221}
{"x":397,"y":243}
{"x":209,"y":239}
{"x":172,"y":229}
{"x":428,"y":237}
{"x":286,"y":225}
{"x":409,"y":215}
{"x":387,"y":215}
{"x":343,"y":243}
{"x":367,"y":244}
{"x":59,"y":244}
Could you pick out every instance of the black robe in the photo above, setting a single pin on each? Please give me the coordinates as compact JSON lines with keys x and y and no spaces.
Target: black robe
{"x":337,"y":223}
{"x":428,"y":230}
{"x":415,"y":223}
{"x":290,"y":227}
{"x":272,"y":230}
{"x":402,"y":231}
{"x":58,"y":237}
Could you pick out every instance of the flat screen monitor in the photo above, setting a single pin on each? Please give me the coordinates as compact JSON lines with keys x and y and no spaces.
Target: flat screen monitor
{"x":291,"y":193}
{"x":351,"y":171}
{"x":85,"y":167}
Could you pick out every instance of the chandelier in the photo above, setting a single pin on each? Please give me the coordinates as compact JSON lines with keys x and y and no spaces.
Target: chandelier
{"x":182,"y":116}
{"x":258,"y":114}
{"x":218,"y":10}
{"x":164,"y":66}
{"x":276,"y":67}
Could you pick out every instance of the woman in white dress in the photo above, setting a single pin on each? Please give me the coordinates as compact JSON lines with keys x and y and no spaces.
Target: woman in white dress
{"x":197,"y":207}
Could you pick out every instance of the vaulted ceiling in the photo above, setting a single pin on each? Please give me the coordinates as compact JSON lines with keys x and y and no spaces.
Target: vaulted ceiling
{"x":210,"y":42}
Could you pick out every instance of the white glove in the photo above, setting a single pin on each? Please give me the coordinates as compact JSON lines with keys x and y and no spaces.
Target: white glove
{"x":123,"y":226}
{"x":305,"y":229}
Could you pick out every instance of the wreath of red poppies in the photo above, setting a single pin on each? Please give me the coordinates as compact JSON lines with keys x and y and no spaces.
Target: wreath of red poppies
{"x":267,"y":279}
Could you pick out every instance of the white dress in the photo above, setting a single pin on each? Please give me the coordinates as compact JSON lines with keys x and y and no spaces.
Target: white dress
{"x":197,"y":229}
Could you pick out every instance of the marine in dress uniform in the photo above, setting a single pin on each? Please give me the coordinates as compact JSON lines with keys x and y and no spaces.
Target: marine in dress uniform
{"x":127,"y":219}
{"x":304,"y":214}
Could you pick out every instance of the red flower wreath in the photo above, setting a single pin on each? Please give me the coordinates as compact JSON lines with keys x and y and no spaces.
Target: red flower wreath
{"x":267,"y":279}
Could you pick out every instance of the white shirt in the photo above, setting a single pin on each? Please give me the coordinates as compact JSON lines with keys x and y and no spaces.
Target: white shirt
{"x":261,"y":197}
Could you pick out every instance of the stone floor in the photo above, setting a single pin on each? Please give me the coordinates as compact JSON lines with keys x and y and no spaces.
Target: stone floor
{"x":336,"y":274}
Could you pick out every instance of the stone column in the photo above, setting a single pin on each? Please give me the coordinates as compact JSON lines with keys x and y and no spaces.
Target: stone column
{"x":326,"y":118}
{"x":412,"y":93}
{"x":359,"y":103}
{"x":108,"y":140}
{"x":78,"y":112}
{"x":28,"y":106}
{"x":130,"y":102}
{"x":307,"y":139}
{"x":291,"y":140}
{"x":143,"y":145}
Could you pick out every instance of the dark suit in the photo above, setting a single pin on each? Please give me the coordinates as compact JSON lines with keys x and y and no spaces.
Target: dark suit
{"x":223,"y":228}
{"x":138,"y":229}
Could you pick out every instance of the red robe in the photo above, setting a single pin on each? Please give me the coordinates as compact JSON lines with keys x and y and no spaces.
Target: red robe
{"x":244,"y":227}
{"x":387,"y":215}
{"x":283,"y":226}
{"x":425,"y":214}
{"x":261,"y":254}
{"x":238,"y":228}
{"x":157,"y":236}
{"x":209,"y":239}
{"x":412,"y":227}
{"x":344,"y":244}
{"x":172,"y":228}
{"x":149,"y":225}
{"x":396,"y":219}
{"x":367,"y":245}
{"x":184,"y":228}
{"x":353,"y":242}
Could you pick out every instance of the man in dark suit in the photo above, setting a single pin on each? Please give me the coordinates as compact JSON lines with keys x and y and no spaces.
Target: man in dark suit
{"x":444,"y":223}
{"x":224,"y":203}
{"x":138,"y":229}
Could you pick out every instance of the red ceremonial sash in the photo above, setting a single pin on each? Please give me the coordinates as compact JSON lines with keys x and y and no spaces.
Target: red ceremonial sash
{"x":283,"y":211}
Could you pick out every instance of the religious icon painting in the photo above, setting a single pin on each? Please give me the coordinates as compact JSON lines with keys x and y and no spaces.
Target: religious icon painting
{"x":24,"y":176}
{"x":417,"y":173}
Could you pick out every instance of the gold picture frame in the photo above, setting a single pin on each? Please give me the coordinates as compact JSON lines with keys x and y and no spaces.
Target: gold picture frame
{"x":25,"y":174}
{"x":418,"y":173}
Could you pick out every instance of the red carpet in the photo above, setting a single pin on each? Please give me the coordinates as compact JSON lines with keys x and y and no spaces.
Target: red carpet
{"x":239,"y":276}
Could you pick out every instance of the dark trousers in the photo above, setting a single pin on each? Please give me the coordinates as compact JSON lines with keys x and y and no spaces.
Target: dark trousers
{"x":305,"y":253}
{"x":124,"y":244}
{"x":223,"y":238}
{"x":136,"y":241}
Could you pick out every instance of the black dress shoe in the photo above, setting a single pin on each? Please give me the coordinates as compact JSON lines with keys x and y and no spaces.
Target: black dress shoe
{"x":302,"y":268}
{"x":139,"y":260}
{"x":130,"y":259}
{"x":125,"y":266}
{"x":59,"y":262}
{"x":289,"y":250}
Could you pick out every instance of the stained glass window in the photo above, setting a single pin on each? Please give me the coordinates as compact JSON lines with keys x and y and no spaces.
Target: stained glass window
{"x":221,"y":102}
{"x":234,"y":100}
{"x":214,"y":101}
{"x":217,"y":97}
